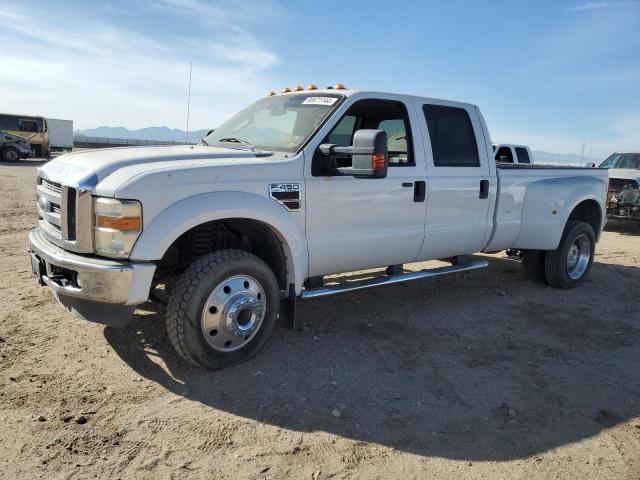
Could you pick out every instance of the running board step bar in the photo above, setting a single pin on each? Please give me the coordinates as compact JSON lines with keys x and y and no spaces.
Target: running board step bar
{"x":328,"y":290}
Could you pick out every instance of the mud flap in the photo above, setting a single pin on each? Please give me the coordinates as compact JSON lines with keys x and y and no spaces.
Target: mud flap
{"x":287,"y":315}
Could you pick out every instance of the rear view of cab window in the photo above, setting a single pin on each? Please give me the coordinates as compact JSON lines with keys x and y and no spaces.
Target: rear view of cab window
{"x":523,"y":155}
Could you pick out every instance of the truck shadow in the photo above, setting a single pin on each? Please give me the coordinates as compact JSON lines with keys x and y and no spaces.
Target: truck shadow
{"x":628,"y":227}
{"x":31,"y":162}
{"x":479,"y":366}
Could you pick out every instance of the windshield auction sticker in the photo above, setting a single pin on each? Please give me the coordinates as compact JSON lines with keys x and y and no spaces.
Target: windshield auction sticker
{"x":319,"y":101}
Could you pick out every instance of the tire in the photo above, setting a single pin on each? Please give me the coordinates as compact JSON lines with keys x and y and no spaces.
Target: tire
{"x":577,"y":239}
{"x":222,"y":309}
{"x":10,"y":154}
{"x":533,"y":264}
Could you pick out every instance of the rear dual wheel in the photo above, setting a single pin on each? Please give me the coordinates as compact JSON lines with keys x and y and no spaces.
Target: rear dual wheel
{"x":569,"y":264}
{"x":222,"y":309}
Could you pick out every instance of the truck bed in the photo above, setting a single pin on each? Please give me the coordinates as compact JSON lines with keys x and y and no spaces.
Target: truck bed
{"x":533,"y":202}
{"x":533,"y":166}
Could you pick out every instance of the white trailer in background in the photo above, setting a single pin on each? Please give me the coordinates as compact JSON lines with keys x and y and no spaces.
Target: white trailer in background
{"x":60,"y":134}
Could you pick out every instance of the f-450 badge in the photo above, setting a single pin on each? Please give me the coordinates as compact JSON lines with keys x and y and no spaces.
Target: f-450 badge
{"x":287,"y":194}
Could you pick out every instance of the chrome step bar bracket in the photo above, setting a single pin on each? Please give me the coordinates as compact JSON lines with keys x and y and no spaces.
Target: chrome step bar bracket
{"x":336,"y":289}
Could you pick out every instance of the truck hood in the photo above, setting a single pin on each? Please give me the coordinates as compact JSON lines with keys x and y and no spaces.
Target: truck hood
{"x":625,"y":173}
{"x":92,"y":166}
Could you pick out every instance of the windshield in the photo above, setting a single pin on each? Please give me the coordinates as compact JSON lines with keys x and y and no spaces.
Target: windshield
{"x":281,"y":122}
{"x":622,"y":160}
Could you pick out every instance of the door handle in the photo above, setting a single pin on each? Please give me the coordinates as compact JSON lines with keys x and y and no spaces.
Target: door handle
{"x":484,"y":189}
{"x":419,"y":191}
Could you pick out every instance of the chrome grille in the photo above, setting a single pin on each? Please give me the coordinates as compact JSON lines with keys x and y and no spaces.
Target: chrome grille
{"x":53,"y":186}
{"x":50,"y":211}
{"x":65,"y":213}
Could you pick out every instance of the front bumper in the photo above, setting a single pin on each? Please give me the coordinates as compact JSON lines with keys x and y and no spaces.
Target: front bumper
{"x":95,"y":289}
{"x":26,"y":151}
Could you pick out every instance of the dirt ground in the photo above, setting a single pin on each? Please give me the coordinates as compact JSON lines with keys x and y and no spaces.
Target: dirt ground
{"x":480,"y":375}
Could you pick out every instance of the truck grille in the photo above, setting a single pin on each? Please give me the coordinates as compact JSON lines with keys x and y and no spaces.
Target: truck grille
{"x":54,"y":187}
{"x":56,"y":210}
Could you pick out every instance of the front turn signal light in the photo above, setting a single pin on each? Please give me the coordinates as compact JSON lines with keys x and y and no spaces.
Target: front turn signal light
{"x":123,"y":224}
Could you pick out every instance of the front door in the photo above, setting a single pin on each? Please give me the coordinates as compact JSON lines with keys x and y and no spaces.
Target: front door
{"x":359,"y":223}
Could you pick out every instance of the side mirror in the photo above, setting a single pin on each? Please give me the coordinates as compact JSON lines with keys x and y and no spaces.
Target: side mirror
{"x":369,"y":154}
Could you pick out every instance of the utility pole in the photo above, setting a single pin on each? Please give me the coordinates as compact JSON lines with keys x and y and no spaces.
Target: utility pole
{"x":186,"y":138}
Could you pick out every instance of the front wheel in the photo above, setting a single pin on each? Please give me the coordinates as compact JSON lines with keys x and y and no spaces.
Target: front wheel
{"x":222,"y":309}
{"x":10,"y":154}
{"x":569,"y":264}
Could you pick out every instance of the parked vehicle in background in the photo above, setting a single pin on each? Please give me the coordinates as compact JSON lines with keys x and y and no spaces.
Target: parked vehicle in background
{"x":623,"y":202}
{"x":60,"y":134}
{"x":509,"y":153}
{"x":295,"y":187}
{"x":13,"y":147}
{"x":34,"y":129}
{"x":42,"y":136}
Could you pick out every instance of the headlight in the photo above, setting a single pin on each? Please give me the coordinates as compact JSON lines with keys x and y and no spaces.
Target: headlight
{"x":118,"y":223}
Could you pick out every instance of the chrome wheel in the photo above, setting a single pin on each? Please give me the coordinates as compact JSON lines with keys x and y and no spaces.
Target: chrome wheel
{"x":578,"y":257}
{"x":233,"y":313}
{"x":13,"y":156}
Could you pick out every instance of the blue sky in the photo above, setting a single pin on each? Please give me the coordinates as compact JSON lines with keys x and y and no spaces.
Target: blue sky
{"x":553,"y":74}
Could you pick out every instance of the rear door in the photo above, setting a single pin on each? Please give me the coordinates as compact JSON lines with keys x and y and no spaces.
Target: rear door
{"x":458,"y":208}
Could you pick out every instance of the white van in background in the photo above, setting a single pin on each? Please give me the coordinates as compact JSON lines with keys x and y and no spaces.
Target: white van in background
{"x":60,"y":134}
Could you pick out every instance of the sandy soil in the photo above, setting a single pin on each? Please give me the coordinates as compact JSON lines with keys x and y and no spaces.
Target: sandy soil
{"x":482,"y":375}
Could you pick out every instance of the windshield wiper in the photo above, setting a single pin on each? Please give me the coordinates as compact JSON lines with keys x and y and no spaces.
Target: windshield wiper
{"x":239,"y":140}
{"x":204,"y":142}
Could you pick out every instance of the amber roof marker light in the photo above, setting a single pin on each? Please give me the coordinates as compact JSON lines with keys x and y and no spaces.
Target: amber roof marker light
{"x":312,"y":86}
{"x":286,"y":90}
{"x":271,"y":93}
{"x":339,"y":86}
{"x":298,"y":88}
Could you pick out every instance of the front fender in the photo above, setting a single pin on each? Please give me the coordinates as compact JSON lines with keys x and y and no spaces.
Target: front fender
{"x":180,"y":217}
{"x":541,"y":227}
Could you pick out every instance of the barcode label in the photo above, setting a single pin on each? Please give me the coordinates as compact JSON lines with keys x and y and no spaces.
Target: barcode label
{"x":320,"y":101}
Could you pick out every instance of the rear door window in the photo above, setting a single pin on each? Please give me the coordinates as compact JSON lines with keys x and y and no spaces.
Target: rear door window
{"x":453,"y":140}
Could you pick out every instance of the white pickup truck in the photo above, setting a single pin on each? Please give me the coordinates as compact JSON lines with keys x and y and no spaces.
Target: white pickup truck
{"x":295,"y":187}
{"x":509,"y":153}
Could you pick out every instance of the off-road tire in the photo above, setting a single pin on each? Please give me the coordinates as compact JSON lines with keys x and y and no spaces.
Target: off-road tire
{"x":188,"y":298}
{"x":10,"y":154}
{"x":555,"y":262}
{"x":533,"y":264}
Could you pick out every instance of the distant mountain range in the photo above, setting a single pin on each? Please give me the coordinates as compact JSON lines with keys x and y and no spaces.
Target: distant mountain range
{"x":546,"y":157}
{"x":149,"y":133}
{"x":177,"y":135}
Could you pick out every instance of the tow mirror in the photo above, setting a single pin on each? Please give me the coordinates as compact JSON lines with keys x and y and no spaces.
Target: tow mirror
{"x":369,"y":154}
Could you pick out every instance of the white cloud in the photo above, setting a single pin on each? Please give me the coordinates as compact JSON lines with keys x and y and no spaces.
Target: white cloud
{"x":59,"y":64}
{"x":586,"y":6}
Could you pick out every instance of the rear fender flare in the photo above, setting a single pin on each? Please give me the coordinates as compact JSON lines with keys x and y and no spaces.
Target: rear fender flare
{"x":541,"y":228}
